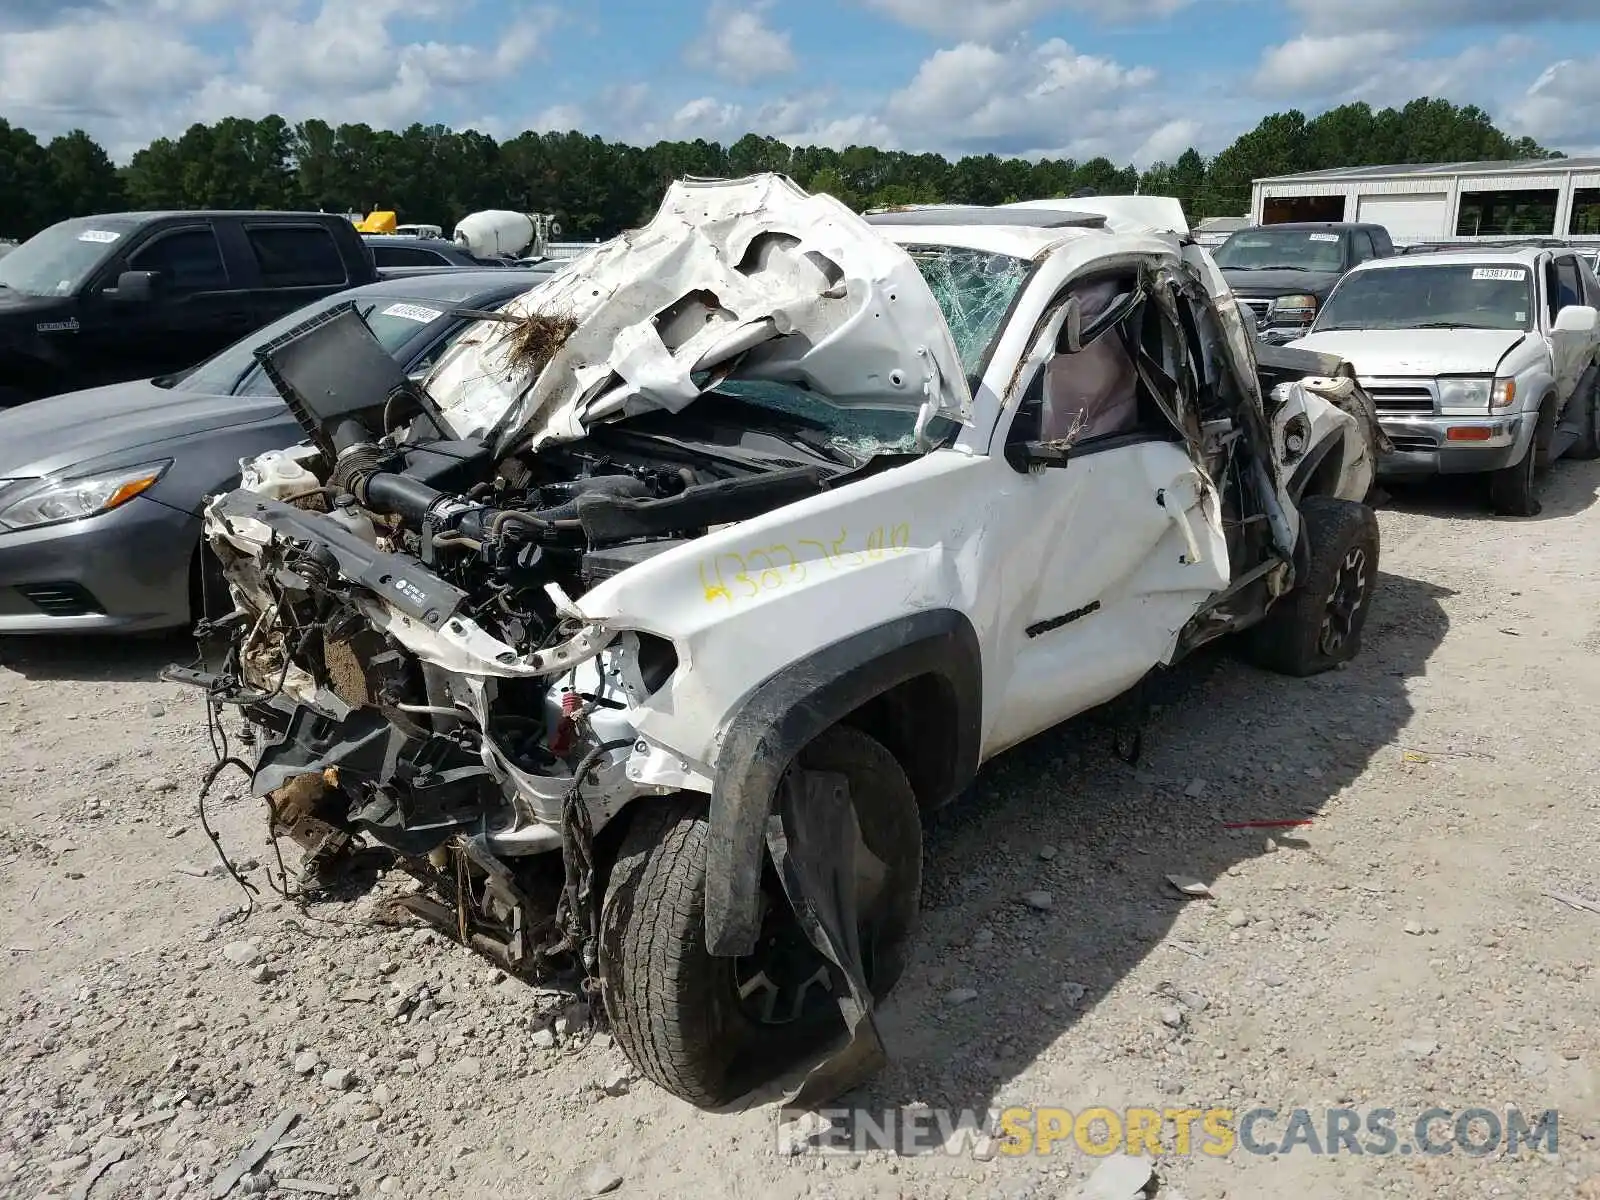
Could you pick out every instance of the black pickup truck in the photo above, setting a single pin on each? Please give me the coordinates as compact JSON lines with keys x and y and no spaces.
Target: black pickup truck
{"x":1284,"y":272}
{"x":103,"y":299}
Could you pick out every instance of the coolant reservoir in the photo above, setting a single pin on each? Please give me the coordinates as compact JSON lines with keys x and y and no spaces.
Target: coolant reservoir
{"x":276,"y":475}
{"x":356,"y":521}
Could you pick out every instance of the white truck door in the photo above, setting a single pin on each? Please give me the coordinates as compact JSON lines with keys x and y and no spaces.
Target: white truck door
{"x":1112,"y":553}
{"x":1126,"y":546}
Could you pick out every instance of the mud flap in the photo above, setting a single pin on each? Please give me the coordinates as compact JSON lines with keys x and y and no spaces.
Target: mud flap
{"x":816,"y":844}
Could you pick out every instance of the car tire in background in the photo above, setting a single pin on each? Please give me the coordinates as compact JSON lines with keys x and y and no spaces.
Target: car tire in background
{"x":1587,"y":447}
{"x":1318,"y":625}
{"x":685,"y":1017}
{"x":1514,"y":490}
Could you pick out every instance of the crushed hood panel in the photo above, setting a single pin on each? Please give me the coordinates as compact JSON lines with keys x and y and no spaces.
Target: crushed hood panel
{"x":753,"y":279}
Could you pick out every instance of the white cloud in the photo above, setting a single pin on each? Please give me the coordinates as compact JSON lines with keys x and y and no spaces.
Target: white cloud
{"x":559,"y":118}
{"x":1562,"y":107}
{"x":703,"y":117}
{"x":1374,"y":67}
{"x":983,"y":20}
{"x":1168,"y":142}
{"x":1024,"y":98}
{"x":128,"y":71}
{"x":1321,"y":16}
{"x":105,"y":73}
{"x":739,"y":45}
{"x":1321,"y":66}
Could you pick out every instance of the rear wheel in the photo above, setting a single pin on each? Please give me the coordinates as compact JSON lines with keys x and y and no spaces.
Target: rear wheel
{"x":1318,"y":625}
{"x":706,"y":1028}
{"x":1587,"y":447}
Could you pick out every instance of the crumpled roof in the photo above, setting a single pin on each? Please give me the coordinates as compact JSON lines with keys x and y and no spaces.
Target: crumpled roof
{"x":752,"y":278}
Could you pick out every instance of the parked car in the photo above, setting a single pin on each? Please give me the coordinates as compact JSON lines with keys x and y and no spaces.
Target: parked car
{"x":103,"y":299}
{"x":769,"y":511}
{"x":396,"y":250}
{"x":1285,"y":272}
{"x":1478,"y":361}
{"x":100,"y":490}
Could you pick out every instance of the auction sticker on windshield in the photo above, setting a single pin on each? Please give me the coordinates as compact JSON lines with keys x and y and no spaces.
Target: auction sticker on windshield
{"x":104,"y":236}
{"x":1512,"y":274}
{"x":413,"y":312}
{"x":1324,"y":237}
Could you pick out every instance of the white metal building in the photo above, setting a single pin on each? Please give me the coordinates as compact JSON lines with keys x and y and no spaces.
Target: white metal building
{"x":1442,"y":201}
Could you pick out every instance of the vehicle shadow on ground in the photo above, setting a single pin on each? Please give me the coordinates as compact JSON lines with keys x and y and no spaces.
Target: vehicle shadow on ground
{"x":1570,"y":488}
{"x":1228,"y":744}
{"x":108,"y":658}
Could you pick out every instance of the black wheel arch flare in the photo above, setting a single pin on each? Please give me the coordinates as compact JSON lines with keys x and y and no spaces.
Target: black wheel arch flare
{"x":934,"y":651}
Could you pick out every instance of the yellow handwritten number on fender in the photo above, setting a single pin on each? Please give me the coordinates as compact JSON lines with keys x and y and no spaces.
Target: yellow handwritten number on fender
{"x":743,"y":577}
{"x":717,"y":591}
{"x":770,"y":578}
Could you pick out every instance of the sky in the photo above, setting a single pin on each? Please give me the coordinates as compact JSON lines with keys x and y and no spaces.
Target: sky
{"x":1134,"y":80}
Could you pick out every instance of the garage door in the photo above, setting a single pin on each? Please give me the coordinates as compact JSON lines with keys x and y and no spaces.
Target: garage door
{"x":1420,"y":215}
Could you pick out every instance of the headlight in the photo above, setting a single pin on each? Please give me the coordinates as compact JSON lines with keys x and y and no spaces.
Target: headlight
{"x":52,"y":501}
{"x":1299,"y":308}
{"x":1464,"y":395}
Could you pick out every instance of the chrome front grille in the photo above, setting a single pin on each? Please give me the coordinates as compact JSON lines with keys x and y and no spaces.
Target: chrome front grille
{"x":1391,"y":398}
{"x":1259,"y":307}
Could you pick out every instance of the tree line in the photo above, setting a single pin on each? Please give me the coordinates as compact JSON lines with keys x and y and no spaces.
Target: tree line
{"x":596,"y":188}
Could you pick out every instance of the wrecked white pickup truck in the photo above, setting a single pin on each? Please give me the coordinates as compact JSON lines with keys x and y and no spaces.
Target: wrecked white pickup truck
{"x":642,"y":633}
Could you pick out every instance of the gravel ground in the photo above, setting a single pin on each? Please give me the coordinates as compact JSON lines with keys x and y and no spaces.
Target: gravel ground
{"x":1400,"y":951}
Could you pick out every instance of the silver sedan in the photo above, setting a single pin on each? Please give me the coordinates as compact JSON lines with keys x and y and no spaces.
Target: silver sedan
{"x":101,"y":490}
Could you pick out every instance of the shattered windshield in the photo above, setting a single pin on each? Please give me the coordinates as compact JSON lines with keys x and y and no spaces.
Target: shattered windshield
{"x":1281,"y":250}
{"x":1457,"y":296}
{"x":861,"y":433}
{"x":974,"y":289}
{"x":57,"y":260}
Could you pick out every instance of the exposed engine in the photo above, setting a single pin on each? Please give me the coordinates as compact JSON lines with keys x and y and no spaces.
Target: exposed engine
{"x":381,"y":537}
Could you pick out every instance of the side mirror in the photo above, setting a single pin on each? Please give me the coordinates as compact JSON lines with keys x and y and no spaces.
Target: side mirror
{"x":135,"y":287}
{"x":1028,"y":457}
{"x":1578,"y":318}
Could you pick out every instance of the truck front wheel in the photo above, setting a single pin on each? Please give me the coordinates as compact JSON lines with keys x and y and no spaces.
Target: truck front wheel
{"x":1318,"y":625}
{"x":1514,"y":490}
{"x":709,"y":1029}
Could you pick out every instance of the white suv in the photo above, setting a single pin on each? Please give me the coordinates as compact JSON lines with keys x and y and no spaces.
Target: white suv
{"x":1478,"y":361}
{"x":643,"y":634}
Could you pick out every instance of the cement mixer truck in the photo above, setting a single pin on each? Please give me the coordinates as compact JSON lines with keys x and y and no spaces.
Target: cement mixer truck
{"x":495,"y":233}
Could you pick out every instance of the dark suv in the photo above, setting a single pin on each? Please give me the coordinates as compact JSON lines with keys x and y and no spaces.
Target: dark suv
{"x":1283,"y":273}
{"x":102,"y":299}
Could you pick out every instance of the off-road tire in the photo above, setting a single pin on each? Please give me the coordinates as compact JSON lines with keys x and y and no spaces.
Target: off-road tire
{"x":1291,"y":640}
{"x":1587,"y":447}
{"x":1514,"y":490}
{"x":673,"y":1006}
